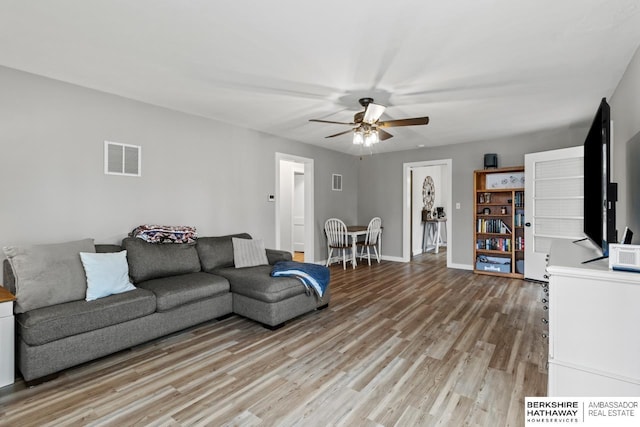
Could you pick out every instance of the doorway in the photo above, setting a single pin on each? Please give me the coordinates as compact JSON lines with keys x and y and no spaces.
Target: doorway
{"x":414,"y":174}
{"x":419,"y":176}
{"x":294,"y":206}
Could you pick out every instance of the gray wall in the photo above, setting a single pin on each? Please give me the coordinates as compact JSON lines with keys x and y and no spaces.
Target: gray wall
{"x":625,"y":113}
{"x":380,"y":182}
{"x":195,"y":171}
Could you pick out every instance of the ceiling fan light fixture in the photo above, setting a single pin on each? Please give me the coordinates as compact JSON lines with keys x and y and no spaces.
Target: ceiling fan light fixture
{"x":371,"y":138}
{"x":358,"y":137}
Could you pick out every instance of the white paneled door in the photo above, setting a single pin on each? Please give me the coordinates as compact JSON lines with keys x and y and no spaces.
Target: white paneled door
{"x":553,"y":204}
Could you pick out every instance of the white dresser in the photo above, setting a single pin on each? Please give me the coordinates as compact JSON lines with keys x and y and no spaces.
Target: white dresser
{"x":7,"y":367}
{"x":594,"y":325}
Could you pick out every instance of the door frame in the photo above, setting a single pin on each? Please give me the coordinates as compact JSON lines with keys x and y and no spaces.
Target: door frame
{"x":309,"y":212}
{"x":406,"y":205}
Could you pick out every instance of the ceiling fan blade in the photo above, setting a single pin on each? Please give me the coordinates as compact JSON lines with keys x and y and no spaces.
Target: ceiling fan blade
{"x":329,"y":121}
{"x":404,"y":122}
{"x":383,"y":134}
{"x":373,"y":113}
{"x":341,"y":133}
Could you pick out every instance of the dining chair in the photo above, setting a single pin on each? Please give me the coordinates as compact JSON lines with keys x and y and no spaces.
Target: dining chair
{"x":371,"y":239}
{"x":337,"y":239}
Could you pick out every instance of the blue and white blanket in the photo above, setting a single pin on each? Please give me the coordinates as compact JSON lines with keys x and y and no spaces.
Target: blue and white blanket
{"x":312,"y":276}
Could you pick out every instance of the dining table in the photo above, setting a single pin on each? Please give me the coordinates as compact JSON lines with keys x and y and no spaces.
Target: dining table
{"x":354,"y":231}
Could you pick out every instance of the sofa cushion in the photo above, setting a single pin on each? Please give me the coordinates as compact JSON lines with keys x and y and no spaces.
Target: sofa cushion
{"x":248,"y":252}
{"x":175,"y":291}
{"x":48,"y":274}
{"x":52,"y":323}
{"x":275,"y":255}
{"x":257,"y":283}
{"x":152,"y":260}
{"x":217,"y":252}
{"x":105,"y":248}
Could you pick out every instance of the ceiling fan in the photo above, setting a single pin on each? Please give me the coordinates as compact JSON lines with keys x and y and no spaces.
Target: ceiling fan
{"x":367,"y":128}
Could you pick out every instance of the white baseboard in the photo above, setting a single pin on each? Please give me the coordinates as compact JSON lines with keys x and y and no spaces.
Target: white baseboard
{"x":461,"y":266}
{"x":400,"y":259}
{"x":392,"y":258}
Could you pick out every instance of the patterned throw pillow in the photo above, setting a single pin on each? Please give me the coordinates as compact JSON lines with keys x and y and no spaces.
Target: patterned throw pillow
{"x":165,"y":233}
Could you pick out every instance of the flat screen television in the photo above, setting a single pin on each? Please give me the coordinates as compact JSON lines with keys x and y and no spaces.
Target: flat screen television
{"x":600,"y":194}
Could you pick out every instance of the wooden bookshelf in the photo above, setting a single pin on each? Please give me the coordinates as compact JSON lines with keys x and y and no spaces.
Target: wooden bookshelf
{"x":498,"y":237}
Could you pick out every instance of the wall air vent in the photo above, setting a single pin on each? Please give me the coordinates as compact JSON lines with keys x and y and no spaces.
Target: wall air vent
{"x":336,"y":182}
{"x":122,"y":159}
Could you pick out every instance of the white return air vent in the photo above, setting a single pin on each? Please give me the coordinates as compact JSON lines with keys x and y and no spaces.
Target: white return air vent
{"x":122,"y":159}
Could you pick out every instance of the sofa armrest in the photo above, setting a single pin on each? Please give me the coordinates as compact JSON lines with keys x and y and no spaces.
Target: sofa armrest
{"x":274,"y":255}
{"x":8,"y":279}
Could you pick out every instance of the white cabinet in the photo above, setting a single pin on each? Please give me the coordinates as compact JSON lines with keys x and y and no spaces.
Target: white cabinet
{"x":594,"y":315}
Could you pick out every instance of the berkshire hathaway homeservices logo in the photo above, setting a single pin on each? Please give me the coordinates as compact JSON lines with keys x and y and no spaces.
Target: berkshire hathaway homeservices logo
{"x":582,"y":411}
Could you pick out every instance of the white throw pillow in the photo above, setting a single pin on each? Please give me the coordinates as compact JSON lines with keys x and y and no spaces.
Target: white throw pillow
{"x":249,"y":252}
{"x":107,"y":274}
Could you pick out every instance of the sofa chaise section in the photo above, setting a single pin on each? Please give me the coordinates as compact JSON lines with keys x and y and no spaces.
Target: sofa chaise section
{"x":269,"y":300}
{"x":256,"y":295}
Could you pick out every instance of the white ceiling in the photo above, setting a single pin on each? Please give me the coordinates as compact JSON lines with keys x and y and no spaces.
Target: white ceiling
{"x":479,"y":69}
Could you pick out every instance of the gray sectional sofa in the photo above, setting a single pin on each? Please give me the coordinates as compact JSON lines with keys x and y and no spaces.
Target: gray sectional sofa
{"x":177,"y":286}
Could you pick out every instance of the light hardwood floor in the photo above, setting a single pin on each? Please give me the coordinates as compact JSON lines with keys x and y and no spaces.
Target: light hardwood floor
{"x":400,"y":344}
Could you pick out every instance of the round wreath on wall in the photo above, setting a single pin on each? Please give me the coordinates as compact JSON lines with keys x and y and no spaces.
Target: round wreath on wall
{"x":428,"y":193}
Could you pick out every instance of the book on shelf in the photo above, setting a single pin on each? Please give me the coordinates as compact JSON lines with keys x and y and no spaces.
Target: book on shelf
{"x":494,"y":244}
{"x":519,"y":199}
{"x":518,"y":218}
{"x":492,"y":226}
